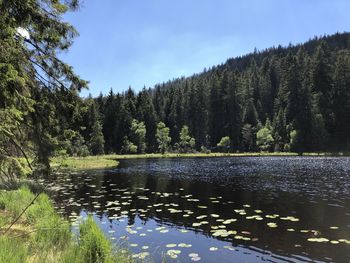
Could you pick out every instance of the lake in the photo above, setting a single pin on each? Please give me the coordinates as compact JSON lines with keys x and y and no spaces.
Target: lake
{"x":227,"y":209}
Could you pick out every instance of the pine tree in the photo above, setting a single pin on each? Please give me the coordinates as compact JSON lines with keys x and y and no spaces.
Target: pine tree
{"x":96,"y":142}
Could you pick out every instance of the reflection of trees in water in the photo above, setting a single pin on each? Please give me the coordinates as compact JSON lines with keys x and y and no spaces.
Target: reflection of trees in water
{"x":312,"y":215}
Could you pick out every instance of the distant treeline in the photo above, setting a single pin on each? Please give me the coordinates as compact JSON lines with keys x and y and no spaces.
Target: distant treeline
{"x":294,"y":98}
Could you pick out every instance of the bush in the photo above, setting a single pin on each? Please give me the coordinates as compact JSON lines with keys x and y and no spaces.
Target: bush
{"x":224,"y":144}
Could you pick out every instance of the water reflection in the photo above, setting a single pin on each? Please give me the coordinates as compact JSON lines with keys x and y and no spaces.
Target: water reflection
{"x":222,"y":209}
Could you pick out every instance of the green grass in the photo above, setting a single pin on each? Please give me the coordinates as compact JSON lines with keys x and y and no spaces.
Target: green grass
{"x":12,"y":250}
{"x":41,"y":235}
{"x":84,"y":163}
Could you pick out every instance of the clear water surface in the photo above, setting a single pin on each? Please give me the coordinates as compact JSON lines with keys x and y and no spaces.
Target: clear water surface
{"x":227,"y":209}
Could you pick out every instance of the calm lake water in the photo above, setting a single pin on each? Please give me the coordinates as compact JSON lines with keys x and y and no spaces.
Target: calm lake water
{"x":235,"y":209}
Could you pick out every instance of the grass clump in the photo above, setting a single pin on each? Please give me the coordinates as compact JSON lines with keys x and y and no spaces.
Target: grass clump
{"x":93,"y":243}
{"x":93,"y":247}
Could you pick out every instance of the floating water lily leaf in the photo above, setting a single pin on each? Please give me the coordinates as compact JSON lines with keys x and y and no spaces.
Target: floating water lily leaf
{"x":172,"y":210}
{"x":290,"y":218}
{"x":271,"y":224}
{"x":141,"y":255}
{"x":318,"y":239}
{"x":130,"y":231}
{"x":272,"y":216}
{"x":229,"y":248}
{"x":228,"y":221}
{"x":346,"y":241}
{"x":184,"y":245}
{"x":171,"y":245}
{"x":173,"y":253}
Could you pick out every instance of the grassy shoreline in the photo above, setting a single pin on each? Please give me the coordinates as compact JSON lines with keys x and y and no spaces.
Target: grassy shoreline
{"x":84,"y":163}
{"x":41,"y":235}
{"x":111,"y":160}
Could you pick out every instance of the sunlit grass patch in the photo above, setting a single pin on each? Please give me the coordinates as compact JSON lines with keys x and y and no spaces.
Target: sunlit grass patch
{"x":84,"y":163}
{"x":41,"y":235}
{"x":12,"y":250}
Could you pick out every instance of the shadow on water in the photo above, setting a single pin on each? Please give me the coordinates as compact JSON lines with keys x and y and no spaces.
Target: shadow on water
{"x":289,"y":209}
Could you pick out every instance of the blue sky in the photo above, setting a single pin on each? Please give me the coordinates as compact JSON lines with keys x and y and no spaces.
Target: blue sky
{"x":144,"y":42}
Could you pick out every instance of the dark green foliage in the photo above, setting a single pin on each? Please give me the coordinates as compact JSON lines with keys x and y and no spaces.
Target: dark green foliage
{"x":38,"y":90}
{"x":300,"y":92}
{"x":96,"y":140}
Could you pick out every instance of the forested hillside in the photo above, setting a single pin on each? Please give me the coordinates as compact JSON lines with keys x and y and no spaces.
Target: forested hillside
{"x":295,"y":98}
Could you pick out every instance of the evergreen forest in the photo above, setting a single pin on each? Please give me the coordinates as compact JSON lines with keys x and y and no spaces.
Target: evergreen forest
{"x":294,"y":98}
